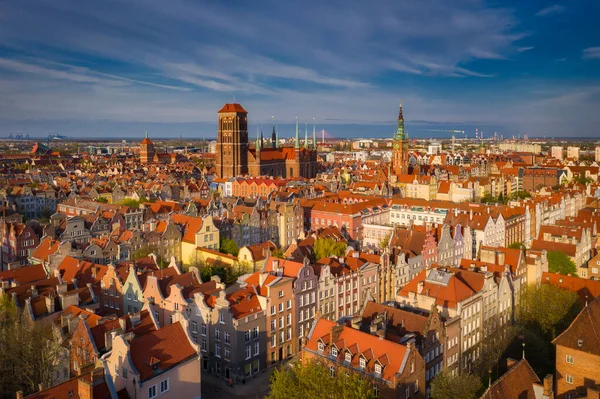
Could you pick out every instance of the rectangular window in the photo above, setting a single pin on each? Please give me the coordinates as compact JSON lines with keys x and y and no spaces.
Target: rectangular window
{"x":248,"y":352}
{"x":570,"y":359}
{"x":247,"y":336}
{"x":152,"y":392}
{"x":255,"y":333}
{"x":203,"y":329}
{"x":217,"y":350}
{"x":256,"y":348}
{"x":164,"y":386}
{"x":569,"y":379}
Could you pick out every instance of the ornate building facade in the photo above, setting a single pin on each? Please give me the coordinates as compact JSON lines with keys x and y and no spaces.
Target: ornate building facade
{"x":400,"y":152}
{"x":236,"y":158}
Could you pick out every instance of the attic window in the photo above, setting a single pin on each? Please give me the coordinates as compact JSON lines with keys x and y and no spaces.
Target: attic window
{"x":579,"y":343}
{"x":378,"y":369}
{"x":334,"y":351}
{"x":320,"y":346}
{"x":348,"y":357}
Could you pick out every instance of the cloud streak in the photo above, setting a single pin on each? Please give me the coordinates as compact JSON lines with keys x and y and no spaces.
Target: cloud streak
{"x":591,"y":53}
{"x":553,"y":9}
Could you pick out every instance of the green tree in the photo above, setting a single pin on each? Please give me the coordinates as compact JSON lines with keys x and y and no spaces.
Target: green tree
{"x":559,"y":262}
{"x":131,"y":203}
{"x":311,"y":380}
{"x":278,"y":253}
{"x":326,"y":247}
{"x":29,"y":354}
{"x":385,"y":241}
{"x":448,"y":386}
{"x":547,"y":308}
{"x":517,"y":245}
{"x":102,"y":199}
{"x":228,"y":246}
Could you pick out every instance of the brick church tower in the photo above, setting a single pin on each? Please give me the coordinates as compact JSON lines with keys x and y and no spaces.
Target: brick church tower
{"x":400,"y":152}
{"x":232,"y":141}
{"x":147,"y":150}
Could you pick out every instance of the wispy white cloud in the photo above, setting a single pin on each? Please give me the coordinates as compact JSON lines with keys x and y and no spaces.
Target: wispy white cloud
{"x":591,"y":53}
{"x":524,"y":49}
{"x":553,"y":9}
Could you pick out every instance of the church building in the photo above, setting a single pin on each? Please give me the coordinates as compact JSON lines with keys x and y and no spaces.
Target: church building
{"x":236,"y":158}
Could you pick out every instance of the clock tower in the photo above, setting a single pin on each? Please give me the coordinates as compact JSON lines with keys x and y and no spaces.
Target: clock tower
{"x":400,"y":152}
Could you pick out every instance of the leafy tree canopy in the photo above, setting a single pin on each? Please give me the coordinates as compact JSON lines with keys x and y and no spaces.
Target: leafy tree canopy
{"x":29,"y":354}
{"x":448,"y":386}
{"x":548,"y":308}
{"x":228,"y":246}
{"x":326,"y":247}
{"x":558,"y":262}
{"x":312,"y":380}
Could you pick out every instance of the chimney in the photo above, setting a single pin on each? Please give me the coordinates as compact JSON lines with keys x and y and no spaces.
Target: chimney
{"x":356,"y":322}
{"x":50,"y":304}
{"x":510,"y":362}
{"x":94,"y":271}
{"x":122,"y":323}
{"x":471,"y":214}
{"x":355,"y":254}
{"x":420,"y":286}
{"x":34,"y":291}
{"x":501,"y":257}
{"x":40,"y":387}
{"x":548,"y":385}
{"x":85,"y":388}
{"x":19,"y":394}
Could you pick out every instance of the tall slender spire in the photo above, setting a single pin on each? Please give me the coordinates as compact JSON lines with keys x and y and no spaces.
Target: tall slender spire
{"x":306,"y":135}
{"x":273,"y":135}
{"x":257,"y":137}
{"x":314,"y":143}
{"x":146,"y":134}
{"x":277,"y":137}
{"x":261,"y":138}
{"x":297,"y":145}
{"x":400,"y":133}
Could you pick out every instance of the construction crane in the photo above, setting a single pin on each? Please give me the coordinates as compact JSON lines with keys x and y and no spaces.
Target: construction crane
{"x":449,"y":131}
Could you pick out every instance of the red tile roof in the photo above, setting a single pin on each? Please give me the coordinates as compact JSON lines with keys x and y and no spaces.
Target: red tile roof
{"x":584,"y":332}
{"x":586,"y":289}
{"x":24,"y":275}
{"x":170,"y":345}
{"x":390,"y":355}
{"x":517,"y":382}
{"x":233,"y":108}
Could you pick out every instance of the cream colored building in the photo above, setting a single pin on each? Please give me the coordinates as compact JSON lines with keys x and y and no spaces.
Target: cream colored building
{"x":164,"y":363}
{"x":557,"y":152}
{"x":573,"y":153}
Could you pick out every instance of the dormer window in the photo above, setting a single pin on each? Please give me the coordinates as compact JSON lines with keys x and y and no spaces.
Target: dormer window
{"x":348,"y":357}
{"x":334,"y":351}
{"x":363,"y":363}
{"x":378,"y":369}
{"x":320,"y":346}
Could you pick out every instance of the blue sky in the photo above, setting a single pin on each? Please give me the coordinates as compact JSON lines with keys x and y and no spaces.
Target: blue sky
{"x":118,"y":68}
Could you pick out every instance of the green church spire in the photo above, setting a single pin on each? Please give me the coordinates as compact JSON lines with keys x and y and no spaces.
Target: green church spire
{"x":400,"y":133}
{"x":306,"y":135}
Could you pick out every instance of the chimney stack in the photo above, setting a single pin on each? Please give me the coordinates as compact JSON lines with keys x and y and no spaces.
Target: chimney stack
{"x":548,"y":385}
{"x":510,"y":362}
{"x":19,"y":394}
{"x":85,"y":388}
{"x":420,"y":287}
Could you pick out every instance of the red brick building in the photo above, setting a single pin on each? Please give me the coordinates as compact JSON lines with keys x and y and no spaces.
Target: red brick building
{"x":578,"y":354}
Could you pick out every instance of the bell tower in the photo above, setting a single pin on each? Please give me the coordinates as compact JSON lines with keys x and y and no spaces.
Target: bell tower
{"x":400,"y":152}
{"x":232,"y":141}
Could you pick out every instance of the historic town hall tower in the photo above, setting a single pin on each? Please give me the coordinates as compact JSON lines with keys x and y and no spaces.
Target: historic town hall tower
{"x":232,"y":142}
{"x":400,"y":153}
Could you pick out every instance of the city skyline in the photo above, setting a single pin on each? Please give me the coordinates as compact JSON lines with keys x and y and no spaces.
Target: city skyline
{"x":122,"y":69}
